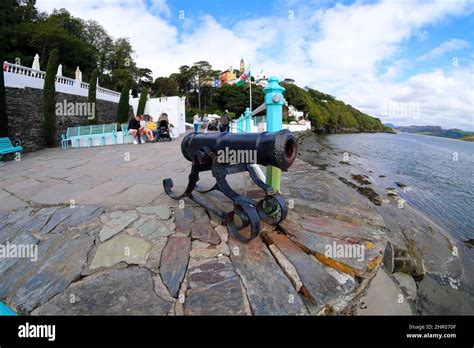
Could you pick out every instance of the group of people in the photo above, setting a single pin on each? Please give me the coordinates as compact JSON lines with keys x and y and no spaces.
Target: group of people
{"x":140,"y":126}
{"x":224,"y":122}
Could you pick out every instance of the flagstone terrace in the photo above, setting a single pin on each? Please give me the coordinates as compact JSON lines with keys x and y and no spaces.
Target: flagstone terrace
{"x":110,"y":241}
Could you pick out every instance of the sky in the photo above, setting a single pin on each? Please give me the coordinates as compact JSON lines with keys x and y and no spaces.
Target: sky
{"x":407,"y":62}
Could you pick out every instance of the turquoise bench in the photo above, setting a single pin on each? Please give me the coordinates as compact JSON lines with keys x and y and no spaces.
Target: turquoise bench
{"x":126,"y":138}
{"x":70,"y":136}
{"x":7,"y":146}
{"x":101,"y":131}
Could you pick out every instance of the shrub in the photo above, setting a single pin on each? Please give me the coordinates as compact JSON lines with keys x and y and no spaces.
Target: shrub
{"x":3,"y":105}
{"x":123,"y":106}
{"x":142,"y":101}
{"x":49,"y":100}
{"x":92,"y":95}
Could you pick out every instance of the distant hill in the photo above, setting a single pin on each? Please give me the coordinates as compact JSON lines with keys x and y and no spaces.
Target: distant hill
{"x":468,"y":138}
{"x":391,"y":125}
{"x":437,"y":131}
{"x":327,"y":114}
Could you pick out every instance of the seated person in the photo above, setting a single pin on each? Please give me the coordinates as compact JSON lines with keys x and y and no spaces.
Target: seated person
{"x":151,"y":126}
{"x":135,"y":129}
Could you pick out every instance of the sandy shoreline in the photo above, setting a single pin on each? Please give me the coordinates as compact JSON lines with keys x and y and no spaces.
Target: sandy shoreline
{"x":433,"y":270}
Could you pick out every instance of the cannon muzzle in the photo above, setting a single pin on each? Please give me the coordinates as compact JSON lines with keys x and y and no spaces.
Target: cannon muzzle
{"x":277,"y":149}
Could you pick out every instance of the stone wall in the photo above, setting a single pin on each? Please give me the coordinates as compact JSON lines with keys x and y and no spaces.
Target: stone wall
{"x":25,"y":115}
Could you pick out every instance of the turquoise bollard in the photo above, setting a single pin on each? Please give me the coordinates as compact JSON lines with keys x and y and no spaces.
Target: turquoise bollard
{"x":274,"y":104}
{"x":248,"y":120}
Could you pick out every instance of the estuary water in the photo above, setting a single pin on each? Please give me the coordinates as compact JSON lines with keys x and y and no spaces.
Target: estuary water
{"x":438,"y":172}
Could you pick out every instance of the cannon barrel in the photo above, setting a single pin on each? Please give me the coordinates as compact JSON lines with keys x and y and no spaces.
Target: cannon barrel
{"x":276,"y":149}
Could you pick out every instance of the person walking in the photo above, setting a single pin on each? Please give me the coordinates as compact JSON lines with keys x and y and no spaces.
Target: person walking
{"x":196,"y":121}
{"x":225,"y":121}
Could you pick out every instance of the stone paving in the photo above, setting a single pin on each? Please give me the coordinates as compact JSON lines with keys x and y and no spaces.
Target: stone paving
{"x":109,"y":240}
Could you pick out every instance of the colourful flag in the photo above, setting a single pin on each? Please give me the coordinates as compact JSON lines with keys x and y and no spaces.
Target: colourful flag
{"x":243,"y":78}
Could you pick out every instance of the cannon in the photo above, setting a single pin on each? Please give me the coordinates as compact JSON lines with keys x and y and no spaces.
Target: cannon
{"x":229,"y":153}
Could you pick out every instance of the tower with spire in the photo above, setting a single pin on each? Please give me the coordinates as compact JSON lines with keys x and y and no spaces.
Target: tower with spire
{"x":242,"y":66}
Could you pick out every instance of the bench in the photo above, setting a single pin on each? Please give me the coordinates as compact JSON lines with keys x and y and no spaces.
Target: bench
{"x":101,"y":131}
{"x":70,"y":136}
{"x":126,"y":139}
{"x":7,"y":146}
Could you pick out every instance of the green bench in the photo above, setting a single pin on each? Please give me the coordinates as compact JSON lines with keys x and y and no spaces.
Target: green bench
{"x":7,"y":146}
{"x":101,"y":131}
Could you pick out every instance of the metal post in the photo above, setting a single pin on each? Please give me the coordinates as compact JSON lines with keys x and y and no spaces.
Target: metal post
{"x":250,"y":80}
{"x":274,"y":102}
{"x":248,"y":120}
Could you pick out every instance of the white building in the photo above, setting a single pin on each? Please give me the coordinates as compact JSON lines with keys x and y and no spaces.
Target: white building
{"x":172,"y":106}
{"x":292,"y":111}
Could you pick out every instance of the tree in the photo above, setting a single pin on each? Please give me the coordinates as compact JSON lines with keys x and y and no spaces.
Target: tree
{"x":202,"y":73}
{"x":123,"y":106}
{"x":142,"y":101}
{"x":121,"y":64}
{"x":49,"y":100}
{"x":144,"y":78}
{"x":98,"y":37}
{"x":3,"y":102}
{"x":92,"y":95}
{"x":80,"y":43}
{"x":165,"y":86}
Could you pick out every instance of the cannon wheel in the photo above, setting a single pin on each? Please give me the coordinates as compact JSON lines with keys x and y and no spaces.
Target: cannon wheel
{"x":272,"y":209}
{"x":248,"y":216}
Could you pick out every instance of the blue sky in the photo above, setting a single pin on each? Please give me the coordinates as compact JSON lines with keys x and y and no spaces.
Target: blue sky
{"x":407,"y":62}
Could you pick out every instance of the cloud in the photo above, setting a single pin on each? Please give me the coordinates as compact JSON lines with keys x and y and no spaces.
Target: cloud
{"x":337,"y":49}
{"x":160,"y":7}
{"x":445,"y":47}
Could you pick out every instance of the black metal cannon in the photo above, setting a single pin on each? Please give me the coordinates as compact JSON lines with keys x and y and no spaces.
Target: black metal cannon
{"x":230,"y":153}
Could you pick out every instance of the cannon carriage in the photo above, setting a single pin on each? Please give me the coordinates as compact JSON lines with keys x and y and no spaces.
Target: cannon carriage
{"x":205,"y":151}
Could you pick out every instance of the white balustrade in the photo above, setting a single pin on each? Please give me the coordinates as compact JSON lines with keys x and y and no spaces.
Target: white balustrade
{"x":21,"y":76}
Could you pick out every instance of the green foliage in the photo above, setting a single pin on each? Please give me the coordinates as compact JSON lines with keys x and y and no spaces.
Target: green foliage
{"x":3,"y":102}
{"x":91,"y":98}
{"x":80,"y":43}
{"x":165,"y":86}
{"x":437,"y":131}
{"x":142,"y":101}
{"x":190,"y":113}
{"x":123,"y":105}
{"x":49,"y":100}
{"x":329,"y":114}
{"x":468,"y":138}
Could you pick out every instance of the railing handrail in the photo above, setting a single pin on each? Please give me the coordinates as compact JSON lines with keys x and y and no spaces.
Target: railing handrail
{"x":258,"y":110}
{"x":15,"y":69}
